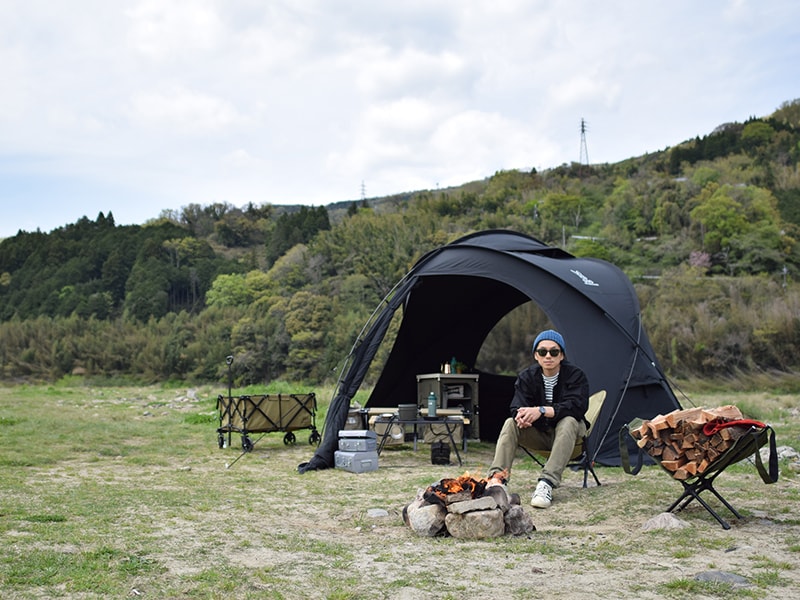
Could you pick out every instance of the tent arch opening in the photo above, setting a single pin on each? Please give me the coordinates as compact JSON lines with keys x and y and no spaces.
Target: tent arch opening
{"x":455,"y":295}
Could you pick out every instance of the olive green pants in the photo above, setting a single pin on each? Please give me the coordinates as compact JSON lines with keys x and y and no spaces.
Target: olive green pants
{"x":559,"y":441}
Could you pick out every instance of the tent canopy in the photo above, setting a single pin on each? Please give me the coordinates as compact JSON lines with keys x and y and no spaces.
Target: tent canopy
{"x":455,"y":295}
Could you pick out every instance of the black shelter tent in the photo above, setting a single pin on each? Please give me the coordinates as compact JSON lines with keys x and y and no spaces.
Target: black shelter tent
{"x":456,"y":294}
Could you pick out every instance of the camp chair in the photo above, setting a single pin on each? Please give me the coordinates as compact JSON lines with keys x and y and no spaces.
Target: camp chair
{"x":747,"y":445}
{"x":581,"y":457}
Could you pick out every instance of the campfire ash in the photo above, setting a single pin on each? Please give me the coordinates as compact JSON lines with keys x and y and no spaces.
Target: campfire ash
{"x":468,"y":507}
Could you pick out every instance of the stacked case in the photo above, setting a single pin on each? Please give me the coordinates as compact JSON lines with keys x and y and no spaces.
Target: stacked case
{"x":358,"y":451}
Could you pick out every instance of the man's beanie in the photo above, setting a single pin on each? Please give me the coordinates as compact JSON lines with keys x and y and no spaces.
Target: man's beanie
{"x":551,"y":335}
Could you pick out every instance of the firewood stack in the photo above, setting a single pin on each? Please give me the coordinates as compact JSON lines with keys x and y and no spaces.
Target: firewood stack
{"x":677,"y":440}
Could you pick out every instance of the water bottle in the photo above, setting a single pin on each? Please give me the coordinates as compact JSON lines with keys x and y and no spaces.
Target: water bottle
{"x":431,"y":404}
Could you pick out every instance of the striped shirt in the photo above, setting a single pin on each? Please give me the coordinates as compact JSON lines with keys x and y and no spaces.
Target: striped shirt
{"x":549,"y":384}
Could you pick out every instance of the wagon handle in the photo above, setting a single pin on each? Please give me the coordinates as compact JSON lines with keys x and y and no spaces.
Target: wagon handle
{"x":229,"y":362}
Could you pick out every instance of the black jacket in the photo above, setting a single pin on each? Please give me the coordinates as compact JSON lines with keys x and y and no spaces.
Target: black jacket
{"x":570,"y":395}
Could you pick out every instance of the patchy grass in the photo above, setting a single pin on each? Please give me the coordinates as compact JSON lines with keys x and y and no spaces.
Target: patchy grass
{"x":123,"y":491}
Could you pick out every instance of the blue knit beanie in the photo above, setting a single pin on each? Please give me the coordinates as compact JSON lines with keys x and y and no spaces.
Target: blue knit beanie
{"x":551,"y":335}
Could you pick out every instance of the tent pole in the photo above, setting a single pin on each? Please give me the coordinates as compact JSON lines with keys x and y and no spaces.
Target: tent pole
{"x":638,"y":348}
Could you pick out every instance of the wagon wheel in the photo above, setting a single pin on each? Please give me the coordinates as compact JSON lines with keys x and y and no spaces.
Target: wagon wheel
{"x":221,"y":440}
{"x":289,"y":439}
{"x":247,"y":444}
{"x":315,"y":438}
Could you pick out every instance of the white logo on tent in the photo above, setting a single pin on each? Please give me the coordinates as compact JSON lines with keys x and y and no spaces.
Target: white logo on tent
{"x":584,"y":278}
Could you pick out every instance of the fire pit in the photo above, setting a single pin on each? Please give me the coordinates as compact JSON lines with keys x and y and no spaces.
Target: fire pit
{"x":468,"y":507}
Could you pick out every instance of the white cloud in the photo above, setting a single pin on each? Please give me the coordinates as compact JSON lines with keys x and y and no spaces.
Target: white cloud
{"x":388,"y":74}
{"x":582,"y":90}
{"x":478,"y":144}
{"x":241,"y":159}
{"x":163,"y":30}
{"x":280,"y":101}
{"x":184,"y":111}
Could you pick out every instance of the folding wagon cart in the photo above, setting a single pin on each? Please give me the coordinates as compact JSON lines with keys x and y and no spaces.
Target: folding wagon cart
{"x":265,"y":413}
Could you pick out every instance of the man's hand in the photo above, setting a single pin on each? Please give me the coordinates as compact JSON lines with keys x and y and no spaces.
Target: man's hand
{"x":527,"y":416}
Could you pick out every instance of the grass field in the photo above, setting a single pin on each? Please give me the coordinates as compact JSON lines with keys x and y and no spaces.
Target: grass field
{"x":122,"y":492}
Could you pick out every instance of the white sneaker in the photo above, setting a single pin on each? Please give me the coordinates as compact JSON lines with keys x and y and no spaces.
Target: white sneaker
{"x":543,"y":496}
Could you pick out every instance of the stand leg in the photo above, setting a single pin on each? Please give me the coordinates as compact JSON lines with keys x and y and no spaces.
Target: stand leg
{"x":692,"y":492}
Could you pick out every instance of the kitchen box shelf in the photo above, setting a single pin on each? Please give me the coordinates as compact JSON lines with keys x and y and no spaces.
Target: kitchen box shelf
{"x":453,"y":390}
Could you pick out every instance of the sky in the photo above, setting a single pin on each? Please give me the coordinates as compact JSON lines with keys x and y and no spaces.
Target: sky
{"x":141,"y":106}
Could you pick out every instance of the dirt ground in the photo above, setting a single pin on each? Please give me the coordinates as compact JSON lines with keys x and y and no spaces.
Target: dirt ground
{"x":250,"y":526}
{"x":590,"y":543}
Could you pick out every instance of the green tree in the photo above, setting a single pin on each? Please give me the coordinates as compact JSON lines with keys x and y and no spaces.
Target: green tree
{"x":229,"y":290}
{"x":720,"y":217}
{"x":756,"y":134}
{"x":115,"y":271}
{"x":147,"y":290}
{"x":295,"y":228}
{"x":307,"y":317}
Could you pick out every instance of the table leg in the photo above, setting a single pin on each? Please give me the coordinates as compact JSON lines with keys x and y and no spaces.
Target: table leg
{"x":450,"y":432}
{"x":385,"y":434}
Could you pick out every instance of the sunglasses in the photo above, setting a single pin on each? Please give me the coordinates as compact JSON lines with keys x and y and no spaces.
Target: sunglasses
{"x":552,"y":351}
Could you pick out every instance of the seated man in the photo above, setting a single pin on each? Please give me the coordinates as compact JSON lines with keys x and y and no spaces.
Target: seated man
{"x":550,"y":400}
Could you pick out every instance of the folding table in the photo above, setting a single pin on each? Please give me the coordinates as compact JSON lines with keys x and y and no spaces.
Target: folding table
{"x":450,"y":423}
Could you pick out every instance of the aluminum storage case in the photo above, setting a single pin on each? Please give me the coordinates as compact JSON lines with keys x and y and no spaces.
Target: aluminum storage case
{"x":358,"y":440}
{"x":356,"y":462}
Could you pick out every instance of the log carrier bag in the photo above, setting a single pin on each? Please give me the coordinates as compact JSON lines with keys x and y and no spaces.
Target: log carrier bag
{"x":755,"y":435}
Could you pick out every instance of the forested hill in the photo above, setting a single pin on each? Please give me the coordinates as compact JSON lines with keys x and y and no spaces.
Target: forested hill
{"x":707,"y":230}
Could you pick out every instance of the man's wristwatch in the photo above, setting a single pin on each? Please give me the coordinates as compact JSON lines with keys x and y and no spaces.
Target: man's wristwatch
{"x":541,"y":410}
